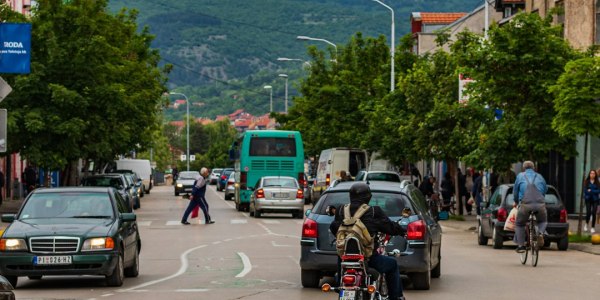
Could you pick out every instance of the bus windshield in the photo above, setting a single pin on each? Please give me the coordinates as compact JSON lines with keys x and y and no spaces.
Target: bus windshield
{"x":272,"y":146}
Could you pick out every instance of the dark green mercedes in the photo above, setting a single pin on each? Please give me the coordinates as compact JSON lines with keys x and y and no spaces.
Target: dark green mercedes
{"x":71,"y":231}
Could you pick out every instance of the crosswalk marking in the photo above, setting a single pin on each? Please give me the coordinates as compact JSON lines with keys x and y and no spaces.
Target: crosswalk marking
{"x":173,"y":223}
{"x":194,"y":221}
{"x":238,"y":221}
{"x":144,"y":223}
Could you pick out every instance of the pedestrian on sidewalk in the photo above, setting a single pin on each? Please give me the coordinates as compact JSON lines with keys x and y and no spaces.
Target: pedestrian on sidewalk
{"x":591,"y":191}
{"x":463,"y":193}
{"x":477,"y":191}
{"x":1,"y":186}
{"x":198,"y":198}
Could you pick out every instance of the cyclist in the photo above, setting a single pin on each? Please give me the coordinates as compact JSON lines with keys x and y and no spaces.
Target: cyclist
{"x":376,"y":221}
{"x":529,"y":190}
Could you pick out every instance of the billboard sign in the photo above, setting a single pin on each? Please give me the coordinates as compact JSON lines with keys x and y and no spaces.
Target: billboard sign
{"x":15,"y":48}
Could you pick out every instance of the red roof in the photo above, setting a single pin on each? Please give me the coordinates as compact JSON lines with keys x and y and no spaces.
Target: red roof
{"x":221,"y":118}
{"x":236,"y":113}
{"x":180,"y":101}
{"x":440,"y":18}
{"x":177,"y":123}
{"x":242,"y":123}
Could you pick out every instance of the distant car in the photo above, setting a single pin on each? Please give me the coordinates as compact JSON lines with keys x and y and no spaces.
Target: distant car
{"x":495,"y":212}
{"x":137,"y":180}
{"x":136,"y":189}
{"x":6,"y":289}
{"x":230,"y":188}
{"x":185,"y":182}
{"x":421,"y":248}
{"x":222,"y":182}
{"x":214,"y":175}
{"x":277,"y":194}
{"x":378,"y":176}
{"x":117,"y":181}
{"x":71,"y":231}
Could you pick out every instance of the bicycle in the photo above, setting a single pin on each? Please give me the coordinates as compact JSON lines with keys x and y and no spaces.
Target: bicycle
{"x":531,"y":240}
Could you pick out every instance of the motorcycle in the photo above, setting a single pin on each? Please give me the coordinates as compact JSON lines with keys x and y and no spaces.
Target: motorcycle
{"x":357,"y":281}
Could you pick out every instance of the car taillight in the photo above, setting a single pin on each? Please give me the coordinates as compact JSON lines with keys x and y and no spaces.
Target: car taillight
{"x":502,"y":214}
{"x":229,"y":182}
{"x":300,"y":194}
{"x":243,"y":180}
{"x":301,"y":180}
{"x":563,"y":215}
{"x":260,"y":193}
{"x":327,"y":180}
{"x":349,"y":280}
{"x":416,"y":230}
{"x":309,"y":228}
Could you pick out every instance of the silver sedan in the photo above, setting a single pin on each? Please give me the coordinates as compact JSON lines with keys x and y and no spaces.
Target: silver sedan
{"x":277,"y":194}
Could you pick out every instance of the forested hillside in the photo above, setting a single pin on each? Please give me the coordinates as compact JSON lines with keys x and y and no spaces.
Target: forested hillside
{"x":225,"y":51}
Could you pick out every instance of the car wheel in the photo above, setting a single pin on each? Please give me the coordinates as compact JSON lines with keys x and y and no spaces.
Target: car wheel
{"x":142,"y":192}
{"x":299,"y":214}
{"x":37,"y":277}
{"x":176,"y":193}
{"x":563,"y":243}
{"x":547,"y":243}
{"x":257,"y":213}
{"x":227,"y":196}
{"x":118,"y":274}
{"x":13,"y":280}
{"x":310,"y":279}
{"x":238,"y":207}
{"x":437,"y":271}
{"x":497,"y":239}
{"x":421,"y":280}
{"x":481,"y":239}
{"x":134,"y":269}
{"x":251,"y":212}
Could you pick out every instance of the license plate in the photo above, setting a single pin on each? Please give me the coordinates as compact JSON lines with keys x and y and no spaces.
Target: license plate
{"x":347,"y":295}
{"x":281,"y":195}
{"x":52,"y":260}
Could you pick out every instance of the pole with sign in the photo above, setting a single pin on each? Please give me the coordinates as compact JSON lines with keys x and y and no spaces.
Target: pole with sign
{"x":3,"y":117}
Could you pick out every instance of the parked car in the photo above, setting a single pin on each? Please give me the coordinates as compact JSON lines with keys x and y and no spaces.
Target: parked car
{"x":333,"y":161}
{"x":137,"y":180}
{"x":277,"y":194}
{"x":71,"y":231}
{"x":6,"y":289}
{"x":117,"y":181}
{"x":222,"y":182}
{"x":495,"y":212}
{"x":230,"y":188}
{"x":136,"y":189}
{"x":185,"y":182}
{"x":378,"y":176}
{"x":420,"y":248}
{"x":143,"y":169}
{"x":214,"y":175}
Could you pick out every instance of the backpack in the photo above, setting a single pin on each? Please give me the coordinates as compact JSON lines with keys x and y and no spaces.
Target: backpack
{"x":531,"y":194}
{"x":353,"y":227}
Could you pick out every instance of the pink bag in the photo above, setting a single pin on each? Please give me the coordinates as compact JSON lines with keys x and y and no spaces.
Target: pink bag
{"x":509,"y":225}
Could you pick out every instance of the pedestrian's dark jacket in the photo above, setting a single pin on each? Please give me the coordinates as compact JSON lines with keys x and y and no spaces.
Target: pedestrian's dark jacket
{"x":462,"y":184}
{"x":594,"y":194}
{"x":199,"y":188}
{"x":374,"y":219}
{"x":30,"y":176}
{"x":477,"y":187}
{"x":447,"y":188}
{"x":1,"y":179}
{"x":426,"y":187}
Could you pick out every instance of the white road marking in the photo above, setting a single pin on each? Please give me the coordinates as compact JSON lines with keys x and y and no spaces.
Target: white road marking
{"x":144,"y":223}
{"x":173,"y":223}
{"x":247,"y":265}
{"x":192,"y":290}
{"x":238,"y":221}
{"x":299,"y":222}
{"x":216,"y":243}
{"x":182,"y":269}
{"x":277,"y":245}
{"x":277,"y":234}
{"x":271,"y":222}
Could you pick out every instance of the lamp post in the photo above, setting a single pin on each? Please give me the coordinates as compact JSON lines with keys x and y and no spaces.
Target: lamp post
{"x":393,"y":50}
{"x":286,"y":91}
{"x":270,"y":88}
{"x":288,"y":59}
{"x":187,"y":112}
{"x":306,"y":38}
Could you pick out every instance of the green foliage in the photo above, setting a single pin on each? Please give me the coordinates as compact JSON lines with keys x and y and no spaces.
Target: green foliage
{"x":94,"y":89}
{"x":210,"y":143}
{"x":577,"y":101}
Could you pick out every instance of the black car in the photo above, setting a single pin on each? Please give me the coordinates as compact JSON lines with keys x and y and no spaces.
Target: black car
{"x":117,"y":181}
{"x":71,"y":231}
{"x":421,"y":247}
{"x":495,"y":212}
{"x":222,"y":182}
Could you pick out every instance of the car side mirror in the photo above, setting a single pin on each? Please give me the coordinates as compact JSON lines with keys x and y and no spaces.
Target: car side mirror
{"x":330,"y":210}
{"x":8,"y":218}
{"x":308,"y":211}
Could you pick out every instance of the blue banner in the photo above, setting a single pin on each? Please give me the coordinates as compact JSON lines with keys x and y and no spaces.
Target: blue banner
{"x":15,"y":48}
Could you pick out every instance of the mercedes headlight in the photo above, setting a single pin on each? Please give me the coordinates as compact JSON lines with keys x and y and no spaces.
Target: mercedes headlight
{"x":13,"y":245}
{"x":179,"y":185}
{"x":94,"y":244}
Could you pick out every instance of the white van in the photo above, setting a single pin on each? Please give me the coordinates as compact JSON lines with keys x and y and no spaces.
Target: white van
{"x":334,"y":160}
{"x":141,"y":166}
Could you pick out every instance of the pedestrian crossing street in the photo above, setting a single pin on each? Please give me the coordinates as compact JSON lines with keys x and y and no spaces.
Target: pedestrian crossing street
{"x":231,"y":221}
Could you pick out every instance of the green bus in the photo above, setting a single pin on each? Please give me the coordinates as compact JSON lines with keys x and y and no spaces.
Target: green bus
{"x":265,"y":153}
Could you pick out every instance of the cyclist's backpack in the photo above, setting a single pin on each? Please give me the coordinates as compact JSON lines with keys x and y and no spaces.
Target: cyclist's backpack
{"x":353,"y":227}
{"x":532,"y":194}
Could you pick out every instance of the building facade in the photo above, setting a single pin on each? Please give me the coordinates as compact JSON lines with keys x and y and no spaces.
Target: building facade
{"x":22,"y":6}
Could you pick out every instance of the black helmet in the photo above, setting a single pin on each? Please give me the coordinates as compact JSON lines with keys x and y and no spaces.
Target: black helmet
{"x":360,"y":191}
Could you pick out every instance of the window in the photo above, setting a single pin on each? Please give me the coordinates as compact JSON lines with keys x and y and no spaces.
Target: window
{"x":597,"y":41}
{"x":507,"y":12}
{"x":392,"y":204}
{"x":272,"y":146}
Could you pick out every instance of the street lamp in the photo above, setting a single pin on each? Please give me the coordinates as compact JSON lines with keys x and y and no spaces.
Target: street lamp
{"x":288,"y":59}
{"x":306,"y":38}
{"x":270,"y":88}
{"x":393,"y":44}
{"x":187,"y":112}
{"x":286,"y":91}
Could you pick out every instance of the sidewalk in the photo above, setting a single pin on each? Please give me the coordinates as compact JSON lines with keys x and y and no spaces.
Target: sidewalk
{"x":470,"y":224}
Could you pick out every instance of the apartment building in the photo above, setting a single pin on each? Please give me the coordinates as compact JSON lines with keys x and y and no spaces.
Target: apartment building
{"x":22,"y":6}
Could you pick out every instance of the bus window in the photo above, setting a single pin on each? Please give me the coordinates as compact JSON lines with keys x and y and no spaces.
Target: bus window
{"x":272,"y":146}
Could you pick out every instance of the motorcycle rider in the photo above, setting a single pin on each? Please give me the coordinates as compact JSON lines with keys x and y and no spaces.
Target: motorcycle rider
{"x":376,"y":221}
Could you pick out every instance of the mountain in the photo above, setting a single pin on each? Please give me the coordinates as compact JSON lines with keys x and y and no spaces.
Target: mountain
{"x":225,"y":51}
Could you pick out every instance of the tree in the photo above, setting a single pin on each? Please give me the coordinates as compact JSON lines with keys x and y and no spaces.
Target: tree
{"x":94,"y":88}
{"x":577,"y":106}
